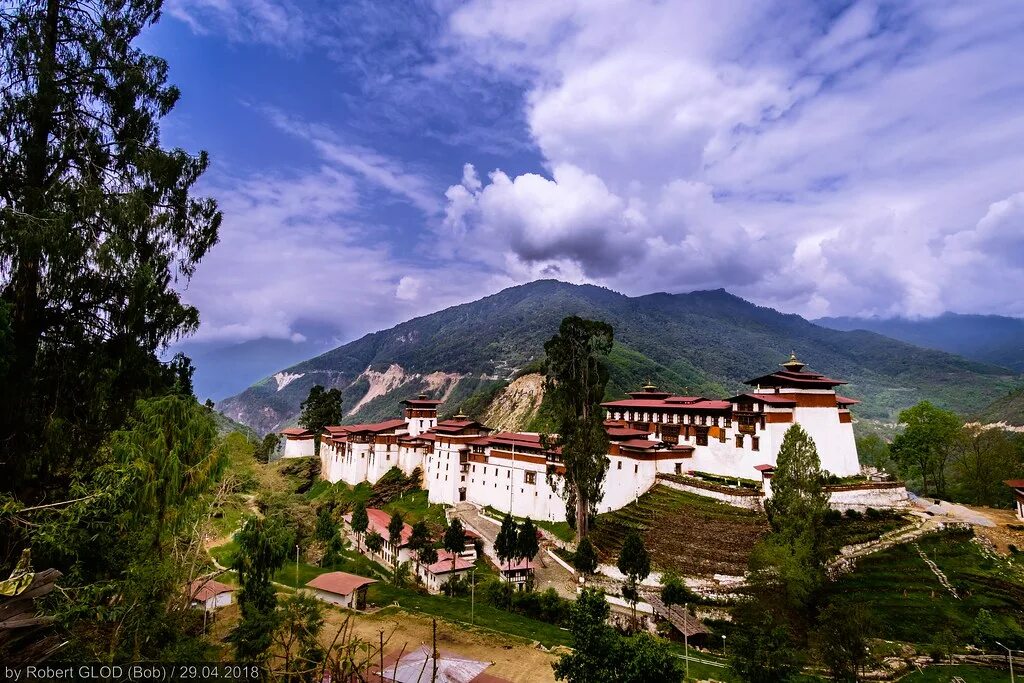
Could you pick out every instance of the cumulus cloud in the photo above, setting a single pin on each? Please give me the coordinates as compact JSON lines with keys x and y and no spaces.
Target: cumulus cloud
{"x":825,"y":163}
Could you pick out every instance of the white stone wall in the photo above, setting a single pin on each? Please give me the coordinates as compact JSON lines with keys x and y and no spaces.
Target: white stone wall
{"x":748,"y":502}
{"x":298,"y":448}
{"x":333,"y":598}
{"x":869,"y":497}
{"x":834,"y":439}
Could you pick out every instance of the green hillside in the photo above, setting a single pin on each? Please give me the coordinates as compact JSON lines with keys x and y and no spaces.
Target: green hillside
{"x":703,"y":342}
{"x":1008,"y":409}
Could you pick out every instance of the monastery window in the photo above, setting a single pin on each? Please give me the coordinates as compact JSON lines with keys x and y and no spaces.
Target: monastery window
{"x":509,"y":474}
{"x":755,"y":442}
{"x":620,"y":465}
{"x":530,"y":477}
{"x":636,"y":469}
{"x":739,"y":441}
{"x":702,"y":437}
{"x":679,"y":468}
{"x":727,"y":421}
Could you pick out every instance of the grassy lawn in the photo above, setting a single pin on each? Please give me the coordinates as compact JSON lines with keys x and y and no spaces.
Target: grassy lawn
{"x":560,"y":530}
{"x":910,"y":605}
{"x":945,"y":674}
{"x":414,"y":507}
{"x":459,"y":610}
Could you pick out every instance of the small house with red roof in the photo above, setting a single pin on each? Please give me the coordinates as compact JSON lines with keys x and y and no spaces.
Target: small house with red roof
{"x":341,"y":588}
{"x":447,"y":567}
{"x":378,"y":522}
{"x":517,"y":572}
{"x":208,"y":594}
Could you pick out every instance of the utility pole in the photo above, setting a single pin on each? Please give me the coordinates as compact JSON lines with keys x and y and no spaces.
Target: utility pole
{"x":382,"y":655}
{"x":296,"y":566}
{"x":433,"y":654}
{"x":686,"y":637}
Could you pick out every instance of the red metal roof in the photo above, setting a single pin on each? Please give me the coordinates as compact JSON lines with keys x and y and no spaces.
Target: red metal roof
{"x":444,"y":564}
{"x":709,"y":404}
{"x":518,"y":564}
{"x":340,"y":583}
{"x":846,"y":401}
{"x":764,"y":468}
{"x":204,"y":589}
{"x":790,"y":378}
{"x":296,"y":431}
{"x":374,"y":426}
{"x":428,"y":402}
{"x":1015,"y":483}
{"x":641,"y":444}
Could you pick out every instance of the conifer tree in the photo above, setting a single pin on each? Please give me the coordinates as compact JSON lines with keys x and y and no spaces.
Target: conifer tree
{"x":585,"y":559}
{"x":455,"y":539}
{"x":635,"y":564}
{"x":792,"y":557}
{"x":574,"y":387}
{"x":100,"y":230}
{"x":527,"y":546}
{"x":395,"y":527}
{"x":360,"y":522}
{"x":320,"y":409}
{"x":507,"y":541}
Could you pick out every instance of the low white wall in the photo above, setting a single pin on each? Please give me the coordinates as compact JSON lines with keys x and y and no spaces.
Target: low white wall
{"x":876,"y":496}
{"x":748,"y":502}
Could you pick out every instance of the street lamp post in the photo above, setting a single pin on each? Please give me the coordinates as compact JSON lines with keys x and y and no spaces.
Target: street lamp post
{"x":723,"y":644}
{"x":1009,"y":655}
{"x":472,"y":598}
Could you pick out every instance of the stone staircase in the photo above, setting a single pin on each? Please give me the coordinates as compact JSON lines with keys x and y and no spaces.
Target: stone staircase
{"x":935,"y":570}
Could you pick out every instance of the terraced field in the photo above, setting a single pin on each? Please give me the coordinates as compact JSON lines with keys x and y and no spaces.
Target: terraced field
{"x":684,"y":533}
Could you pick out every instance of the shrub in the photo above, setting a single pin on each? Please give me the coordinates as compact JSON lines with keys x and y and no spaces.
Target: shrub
{"x":854,"y":514}
{"x":872,"y":513}
{"x":833,"y":516}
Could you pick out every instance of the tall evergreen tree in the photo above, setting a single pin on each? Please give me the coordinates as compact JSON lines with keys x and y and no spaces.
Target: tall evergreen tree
{"x":395,"y":527}
{"x":791,"y":559}
{"x":97,"y":225}
{"x":360,"y":522}
{"x":320,"y":409}
{"x":507,"y":541}
{"x":262,"y":549}
{"x":455,"y":539}
{"x":635,"y":564}
{"x":527,"y":546}
{"x":585,"y":558}
{"x":574,"y":387}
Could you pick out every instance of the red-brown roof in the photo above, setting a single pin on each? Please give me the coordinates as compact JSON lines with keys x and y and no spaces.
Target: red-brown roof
{"x":764,"y":468}
{"x":296,"y":431}
{"x":770,"y":399}
{"x":444,"y":564}
{"x":784,"y":378}
{"x":204,"y":589}
{"x":846,"y":401}
{"x":1015,"y":483}
{"x":427,"y":402}
{"x":375,"y":427}
{"x":379,"y":521}
{"x":625,"y":432}
{"x":340,"y":583}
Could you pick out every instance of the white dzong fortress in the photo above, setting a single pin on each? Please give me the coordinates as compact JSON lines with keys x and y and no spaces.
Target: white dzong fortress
{"x":651,"y":433}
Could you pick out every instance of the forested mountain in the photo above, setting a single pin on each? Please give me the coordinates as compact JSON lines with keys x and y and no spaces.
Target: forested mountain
{"x":992,"y":339}
{"x":1008,"y":409}
{"x":704,"y":342}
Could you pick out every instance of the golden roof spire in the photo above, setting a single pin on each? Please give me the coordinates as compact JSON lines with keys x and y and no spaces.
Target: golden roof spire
{"x":793,"y":364}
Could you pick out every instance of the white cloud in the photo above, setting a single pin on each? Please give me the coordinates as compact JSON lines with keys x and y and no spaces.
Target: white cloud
{"x":827,"y":164}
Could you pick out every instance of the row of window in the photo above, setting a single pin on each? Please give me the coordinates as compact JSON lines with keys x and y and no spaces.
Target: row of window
{"x":528,"y":476}
{"x":755,"y":442}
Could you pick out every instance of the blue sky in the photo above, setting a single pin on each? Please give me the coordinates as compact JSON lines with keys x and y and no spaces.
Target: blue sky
{"x":380,"y":160}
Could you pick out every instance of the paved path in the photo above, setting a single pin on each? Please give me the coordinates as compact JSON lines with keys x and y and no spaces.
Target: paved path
{"x":959,"y":513}
{"x":547,"y":573}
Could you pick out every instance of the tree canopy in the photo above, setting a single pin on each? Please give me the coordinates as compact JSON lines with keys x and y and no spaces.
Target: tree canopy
{"x":320,"y":409}
{"x":575,"y":382}
{"x":100,"y":229}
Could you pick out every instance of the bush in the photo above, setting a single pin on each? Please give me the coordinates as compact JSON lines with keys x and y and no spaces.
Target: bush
{"x":833,"y":516}
{"x":872,"y":513}
{"x":854,"y":514}
{"x":456,"y":587}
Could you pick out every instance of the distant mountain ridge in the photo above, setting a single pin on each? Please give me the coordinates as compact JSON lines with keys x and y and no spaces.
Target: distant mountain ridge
{"x":704,"y":342}
{"x":992,"y":339}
